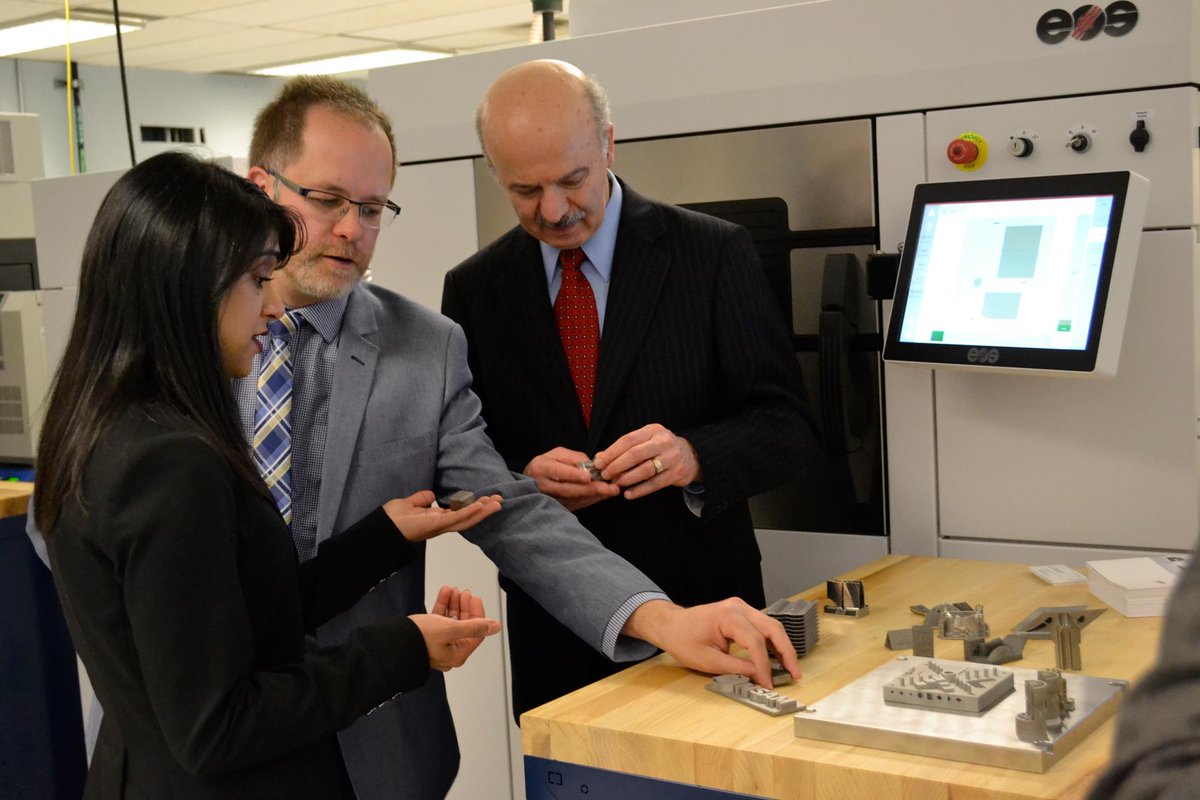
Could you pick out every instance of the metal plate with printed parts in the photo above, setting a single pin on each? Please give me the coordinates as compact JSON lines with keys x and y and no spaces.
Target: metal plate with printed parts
{"x":857,"y":714}
{"x":742,"y":689}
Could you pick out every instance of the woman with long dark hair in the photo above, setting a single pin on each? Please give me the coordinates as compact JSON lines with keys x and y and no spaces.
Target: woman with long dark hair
{"x":177,"y":574}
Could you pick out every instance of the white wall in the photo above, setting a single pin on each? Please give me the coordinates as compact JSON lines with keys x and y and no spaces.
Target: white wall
{"x":224,"y":105}
{"x":603,"y":16}
{"x":9,"y":99}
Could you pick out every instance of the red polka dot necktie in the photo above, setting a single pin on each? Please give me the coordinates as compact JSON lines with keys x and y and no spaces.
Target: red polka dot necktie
{"x":578,"y":327}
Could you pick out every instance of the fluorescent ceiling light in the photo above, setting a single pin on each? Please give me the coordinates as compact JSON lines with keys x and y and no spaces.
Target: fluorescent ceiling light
{"x":357,"y":63}
{"x":44,"y":33}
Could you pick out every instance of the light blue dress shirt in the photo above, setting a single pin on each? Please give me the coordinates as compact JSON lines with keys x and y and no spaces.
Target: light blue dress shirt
{"x":597,"y":251}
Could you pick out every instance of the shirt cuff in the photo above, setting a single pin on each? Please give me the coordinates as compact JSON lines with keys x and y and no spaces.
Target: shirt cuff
{"x":35,"y":536}
{"x":627,"y":648}
{"x":693,"y":498}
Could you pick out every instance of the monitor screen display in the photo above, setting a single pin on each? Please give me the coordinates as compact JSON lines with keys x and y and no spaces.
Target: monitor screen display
{"x":1019,"y":274}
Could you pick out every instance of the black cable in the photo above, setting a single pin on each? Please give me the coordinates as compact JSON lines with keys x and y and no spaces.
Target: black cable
{"x":124,"y":86}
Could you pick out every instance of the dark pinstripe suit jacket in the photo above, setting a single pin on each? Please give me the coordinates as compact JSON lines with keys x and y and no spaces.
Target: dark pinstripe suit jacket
{"x":691,"y":340}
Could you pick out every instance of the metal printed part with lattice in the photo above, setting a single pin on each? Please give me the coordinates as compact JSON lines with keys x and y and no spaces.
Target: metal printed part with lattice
{"x":971,"y":689}
{"x":1047,"y":707}
{"x":800,"y":620}
{"x":957,"y":624}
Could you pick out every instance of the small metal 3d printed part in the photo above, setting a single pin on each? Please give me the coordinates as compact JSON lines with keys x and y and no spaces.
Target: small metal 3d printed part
{"x":590,"y":469}
{"x":742,"y":689}
{"x":898,"y":639}
{"x":1040,"y":621}
{"x":460,"y":499}
{"x":934,"y":615}
{"x":918,"y":638}
{"x":1046,"y":706}
{"x":957,"y":624}
{"x":922,"y":641}
{"x":779,"y":675}
{"x":846,"y":598}
{"x":971,"y":689}
{"x":994,"y":651}
{"x":1067,"y":636}
{"x":800,"y":622}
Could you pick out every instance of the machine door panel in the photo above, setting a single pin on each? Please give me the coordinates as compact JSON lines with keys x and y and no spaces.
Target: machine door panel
{"x":1078,"y":461}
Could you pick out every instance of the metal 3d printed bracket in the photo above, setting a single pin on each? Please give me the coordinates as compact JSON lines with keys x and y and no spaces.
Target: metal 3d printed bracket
{"x":846,"y":598}
{"x":742,"y":689}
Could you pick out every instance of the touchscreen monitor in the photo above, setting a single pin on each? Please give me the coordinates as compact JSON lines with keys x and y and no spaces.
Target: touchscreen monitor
{"x":1020,"y":274}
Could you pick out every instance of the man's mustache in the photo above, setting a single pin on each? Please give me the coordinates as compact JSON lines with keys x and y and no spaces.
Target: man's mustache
{"x":565,"y":221}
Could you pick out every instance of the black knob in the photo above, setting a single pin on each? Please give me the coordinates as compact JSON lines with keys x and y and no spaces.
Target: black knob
{"x":1080,"y":143}
{"x":1140,"y":137}
{"x":1020,"y":146}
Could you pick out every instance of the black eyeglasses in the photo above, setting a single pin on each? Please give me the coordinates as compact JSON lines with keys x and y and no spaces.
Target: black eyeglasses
{"x":332,"y":207}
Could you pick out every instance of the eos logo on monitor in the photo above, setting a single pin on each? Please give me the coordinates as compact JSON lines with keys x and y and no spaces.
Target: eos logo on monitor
{"x":1116,"y":19}
{"x":983,"y":355}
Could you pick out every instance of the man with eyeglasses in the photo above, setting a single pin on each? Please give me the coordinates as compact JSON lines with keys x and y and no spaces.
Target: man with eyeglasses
{"x":334,"y":206}
{"x":382,"y":407}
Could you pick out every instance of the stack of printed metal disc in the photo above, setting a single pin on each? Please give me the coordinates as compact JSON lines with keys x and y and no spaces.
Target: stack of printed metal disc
{"x":800,"y":619}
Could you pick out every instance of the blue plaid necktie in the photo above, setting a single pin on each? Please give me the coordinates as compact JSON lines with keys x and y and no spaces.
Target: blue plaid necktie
{"x":273,"y":413}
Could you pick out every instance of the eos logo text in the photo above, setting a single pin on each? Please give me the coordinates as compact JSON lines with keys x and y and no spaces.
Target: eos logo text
{"x":983,"y":355}
{"x":1115,"y":19}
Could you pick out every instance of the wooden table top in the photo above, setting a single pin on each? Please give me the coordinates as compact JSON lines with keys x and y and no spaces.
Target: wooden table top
{"x":14,"y":497}
{"x":656,"y":719}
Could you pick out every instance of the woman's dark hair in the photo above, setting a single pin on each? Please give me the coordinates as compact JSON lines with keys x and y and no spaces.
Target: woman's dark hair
{"x":171,"y":238}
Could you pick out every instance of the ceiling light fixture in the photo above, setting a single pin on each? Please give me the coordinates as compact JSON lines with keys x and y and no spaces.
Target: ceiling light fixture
{"x":355,"y":63}
{"x":40,"y":34}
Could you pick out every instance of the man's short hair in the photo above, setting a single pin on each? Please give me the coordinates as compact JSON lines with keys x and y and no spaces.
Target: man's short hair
{"x":598,"y":99}
{"x":279,"y":128}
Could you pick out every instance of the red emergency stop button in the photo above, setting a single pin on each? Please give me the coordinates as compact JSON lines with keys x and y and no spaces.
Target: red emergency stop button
{"x":962,"y":152}
{"x":968,"y":151}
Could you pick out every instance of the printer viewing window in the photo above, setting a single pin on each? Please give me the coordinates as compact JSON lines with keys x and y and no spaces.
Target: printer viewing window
{"x":1019,"y":275}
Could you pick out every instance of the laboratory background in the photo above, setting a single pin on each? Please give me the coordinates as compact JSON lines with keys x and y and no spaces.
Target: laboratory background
{"x":813,"y":124}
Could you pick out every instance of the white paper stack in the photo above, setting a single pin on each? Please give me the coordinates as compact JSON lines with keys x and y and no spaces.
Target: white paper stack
{"x":1058,"y":574}
{"x":1136,"y":587}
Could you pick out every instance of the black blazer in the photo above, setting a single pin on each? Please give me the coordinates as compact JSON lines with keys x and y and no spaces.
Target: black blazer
{"x":186,"y":604}
{"x":691,"y":340}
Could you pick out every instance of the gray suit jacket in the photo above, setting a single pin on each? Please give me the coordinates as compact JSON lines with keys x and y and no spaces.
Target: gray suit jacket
{"x":402,"y":418}
{"x":1157,"y":750}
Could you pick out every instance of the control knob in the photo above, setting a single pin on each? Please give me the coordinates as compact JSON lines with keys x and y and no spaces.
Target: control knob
{"x":1020,"y":146}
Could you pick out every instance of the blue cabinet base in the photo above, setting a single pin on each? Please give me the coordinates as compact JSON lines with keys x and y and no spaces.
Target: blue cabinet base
{"x":559,"y":780}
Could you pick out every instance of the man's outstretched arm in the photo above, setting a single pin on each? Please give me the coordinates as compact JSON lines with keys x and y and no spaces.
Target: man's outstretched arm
{"x":700,"y":637}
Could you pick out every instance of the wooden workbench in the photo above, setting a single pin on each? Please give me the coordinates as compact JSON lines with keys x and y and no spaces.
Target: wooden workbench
{"x":14,"y":497}
{"x":657,"y":719}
